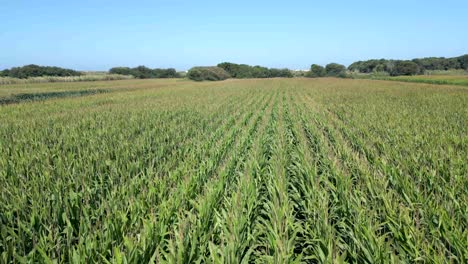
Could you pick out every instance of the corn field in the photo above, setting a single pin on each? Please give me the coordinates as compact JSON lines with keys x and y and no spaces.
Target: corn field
{"x":240,"y":171}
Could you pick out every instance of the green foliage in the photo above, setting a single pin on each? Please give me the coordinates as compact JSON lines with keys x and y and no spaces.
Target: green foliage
{"x":316,"y":71}
{"x":5,"y":73}
{"x":463,"y":60}
{"x":369,"y":66}
{"x":236,"y":70}
{"x":276,"y":73}
{"x":335,"y":70}
{"x":38,"y":71}
{"x":143,"y":72}
{"x":207,"y":74}
{"x":165,"y":73}
{"x":441,"y":64}
{"x":404,"y":68}
{"x":259,"y":72}
{"x":242,"y":71}
{"x":121,"y":70}
{"x":424,"y":64}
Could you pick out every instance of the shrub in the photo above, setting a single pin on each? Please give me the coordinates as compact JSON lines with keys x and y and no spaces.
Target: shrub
{"x":207,"y":74}
{"x":335,"y":70}
{"x":316,"y":71}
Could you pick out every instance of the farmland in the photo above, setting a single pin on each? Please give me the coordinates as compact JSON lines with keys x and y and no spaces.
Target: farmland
{"x":256,"y":170}
{"x":460,"y":79}
{"x":435,"y":79}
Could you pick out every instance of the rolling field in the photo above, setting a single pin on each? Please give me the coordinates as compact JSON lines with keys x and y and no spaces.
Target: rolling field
{"x":435,"y":79}
{"x":429,"y":79}
{"x":262,"y":170}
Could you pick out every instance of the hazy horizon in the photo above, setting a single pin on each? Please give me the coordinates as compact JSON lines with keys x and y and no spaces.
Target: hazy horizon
{"x":92,"y":36}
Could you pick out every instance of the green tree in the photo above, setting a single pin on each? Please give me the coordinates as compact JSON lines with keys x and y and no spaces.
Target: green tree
{"x":207,"y":74}
{"x":165,"y":73}
{"x":335,"y":70}
{"x":33,"y":70}
{"x":463,"y":60}
{"x":405,"y":68}
{"x":246,"y":71}
{"x":5,"y":73}
{"x":142,"y":72}
{"x":121,"y":70}
{"x":316,"y":71}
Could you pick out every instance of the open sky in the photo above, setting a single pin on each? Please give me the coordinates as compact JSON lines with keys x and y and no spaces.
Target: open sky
{"x":100,"y":34}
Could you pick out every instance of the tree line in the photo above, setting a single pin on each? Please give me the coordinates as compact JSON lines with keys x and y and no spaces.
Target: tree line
{"x":143,"y":72}
{"x":227,"y":70}
{"x":242,"y":71}
{"x":410,"y":67}
{"x":330,"y":70}
{"x":33,"y":70}
{"x":233,"y":70}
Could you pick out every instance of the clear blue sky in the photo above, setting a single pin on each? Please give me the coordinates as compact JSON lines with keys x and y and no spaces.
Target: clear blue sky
{"x":97,"y":35}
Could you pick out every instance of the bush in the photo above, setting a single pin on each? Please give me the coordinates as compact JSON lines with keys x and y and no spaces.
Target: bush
{"x":207,"y":74}
{"x":404,"y":68}
{"x":38,"y":71}
{"x":335,"y":70}
{"x":316,"y":71}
